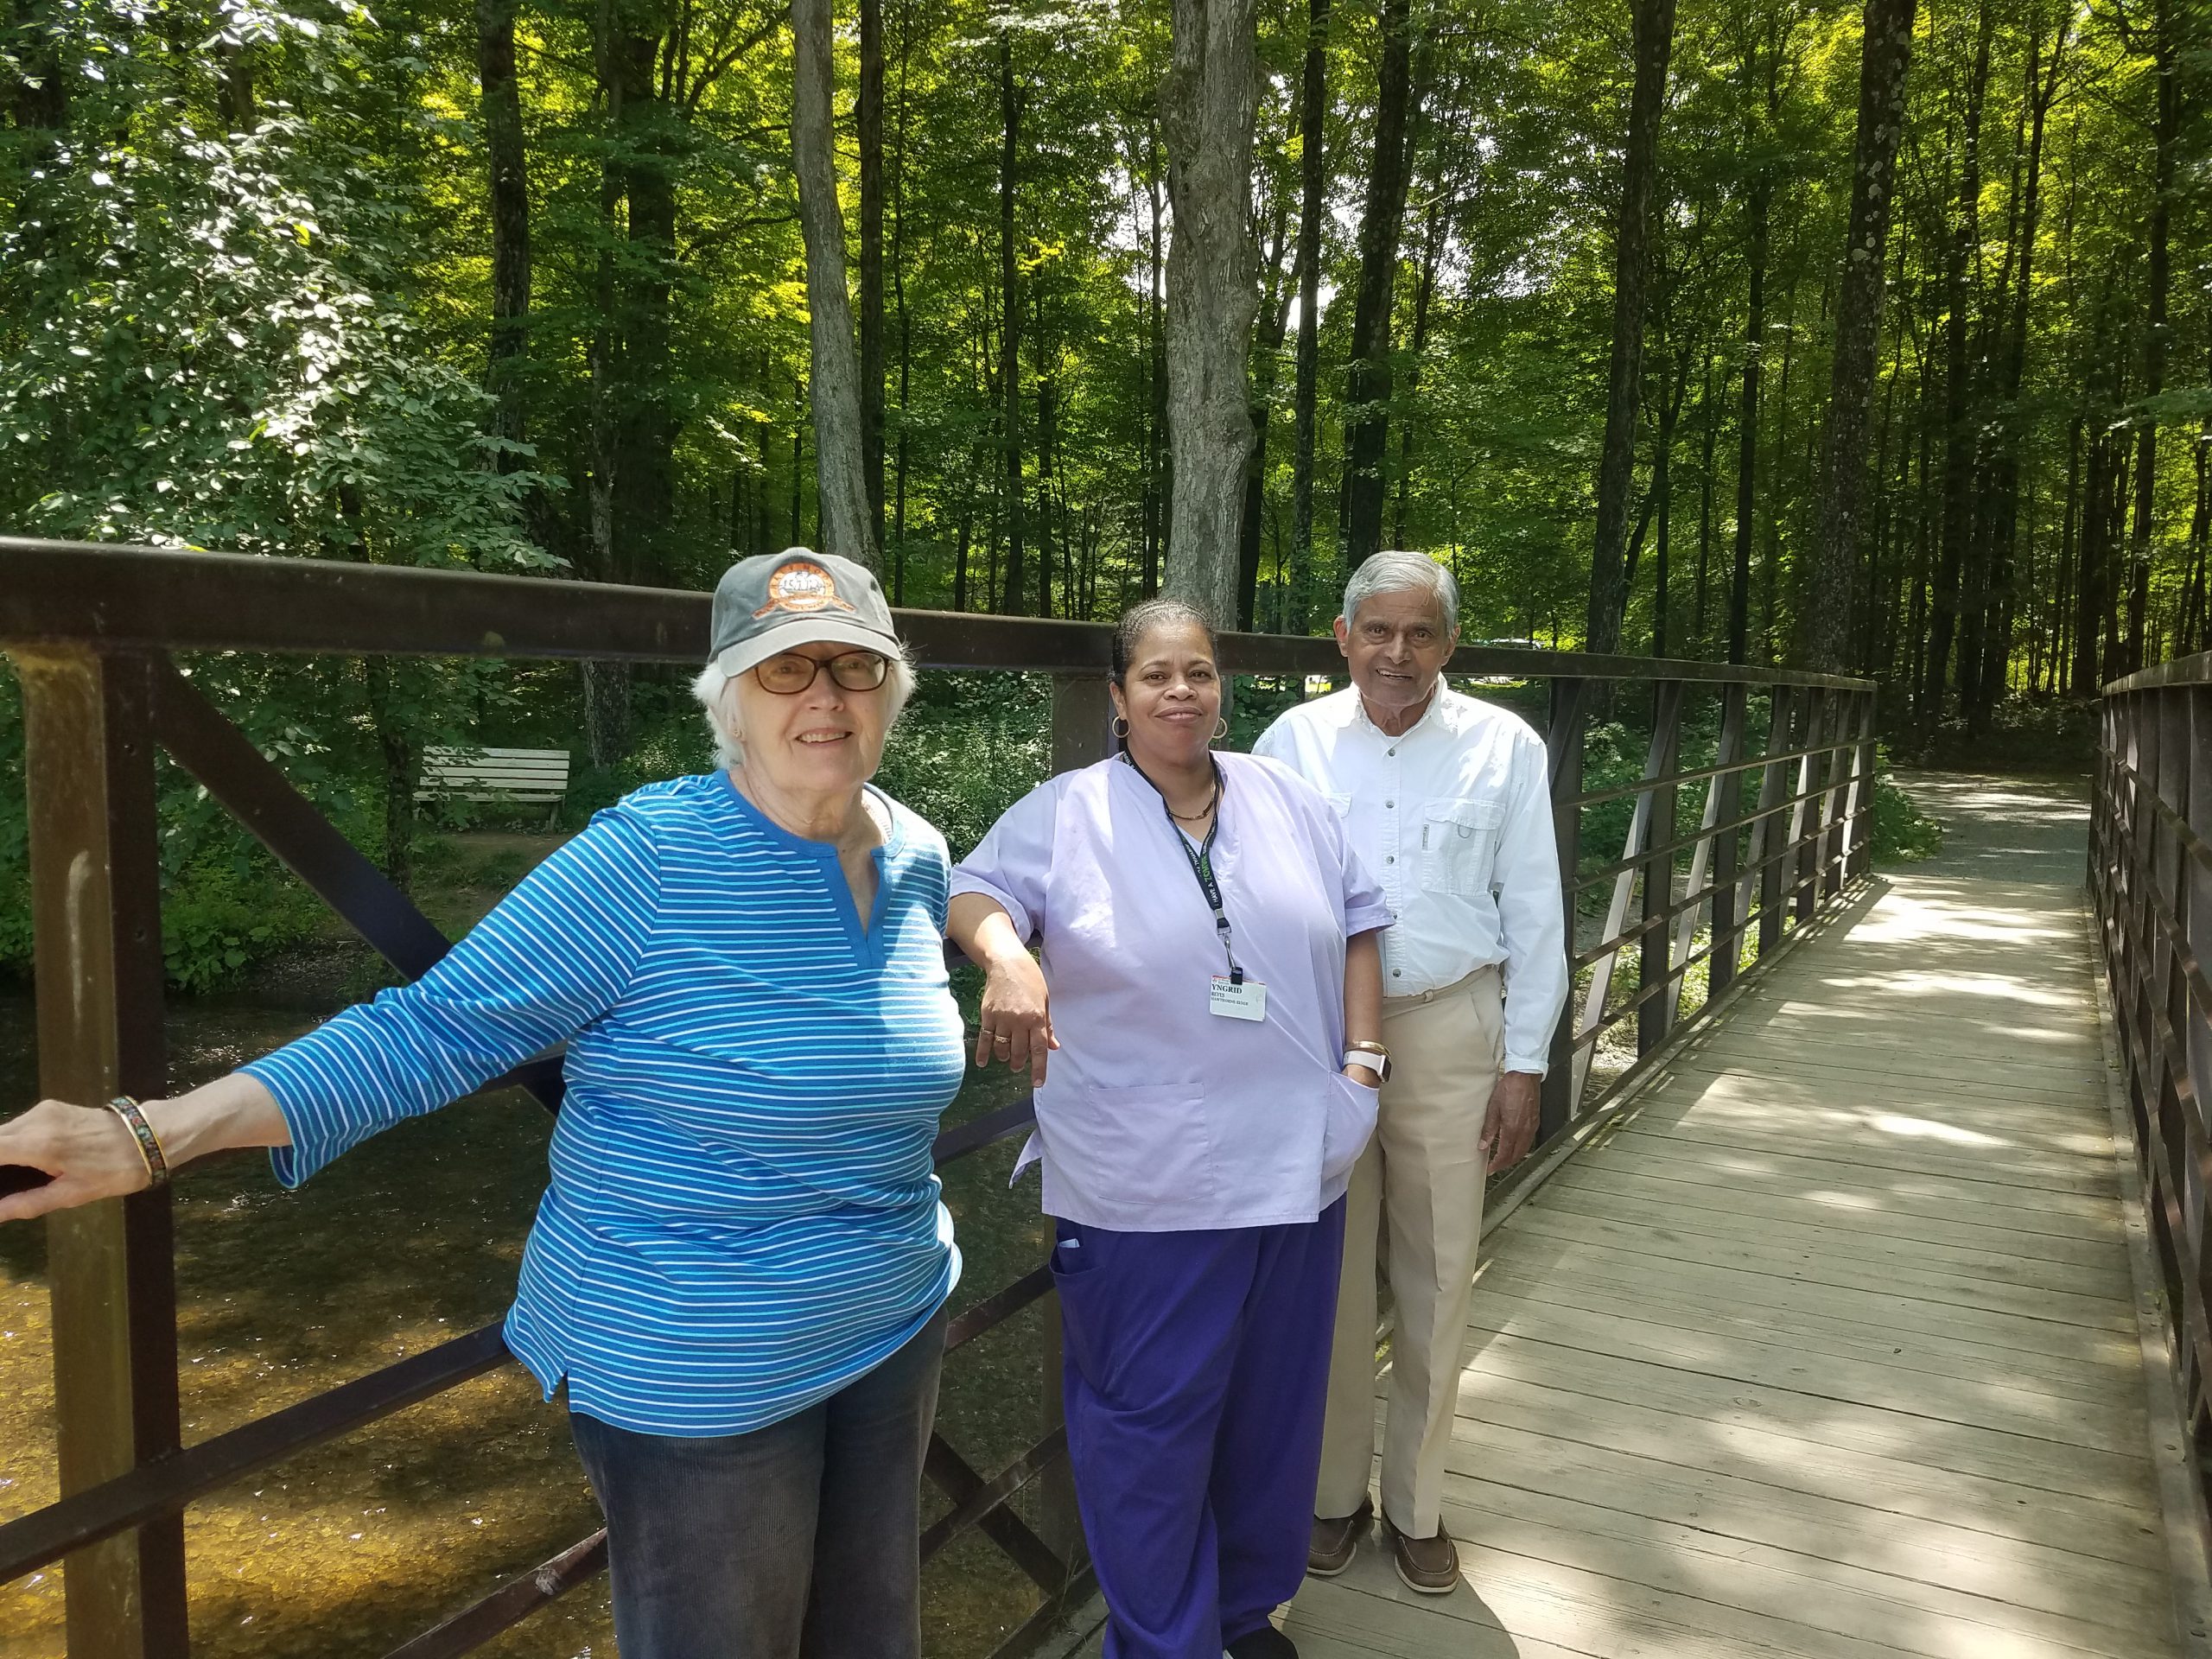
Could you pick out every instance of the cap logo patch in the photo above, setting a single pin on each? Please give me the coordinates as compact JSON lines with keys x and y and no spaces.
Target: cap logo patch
{"x":801,"y":587}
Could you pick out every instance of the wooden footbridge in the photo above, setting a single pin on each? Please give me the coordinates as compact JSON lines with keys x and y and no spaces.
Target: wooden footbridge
{"x":1852,"y":1306}
{"x":1840,"y":1337}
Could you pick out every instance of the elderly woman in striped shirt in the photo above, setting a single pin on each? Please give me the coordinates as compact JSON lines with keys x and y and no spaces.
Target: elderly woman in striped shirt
{"x":741,"y":1265}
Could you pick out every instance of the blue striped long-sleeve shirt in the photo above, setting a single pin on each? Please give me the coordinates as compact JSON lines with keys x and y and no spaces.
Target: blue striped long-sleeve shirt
{"x":742,"y":1216}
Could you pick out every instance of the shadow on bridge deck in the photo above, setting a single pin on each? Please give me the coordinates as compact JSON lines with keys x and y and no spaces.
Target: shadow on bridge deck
{"x":1829,"y":1346}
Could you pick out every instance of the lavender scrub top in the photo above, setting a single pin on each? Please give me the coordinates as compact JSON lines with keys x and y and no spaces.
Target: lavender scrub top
{"x":1156,"y":1115}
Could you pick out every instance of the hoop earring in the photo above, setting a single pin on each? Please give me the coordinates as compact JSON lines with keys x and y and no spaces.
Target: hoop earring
{"x":1221,"y":729}
{"x":1121,"y":726}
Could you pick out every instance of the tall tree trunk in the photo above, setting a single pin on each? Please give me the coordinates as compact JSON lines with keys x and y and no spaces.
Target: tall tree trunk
{"x":644,"y":483}
{"x":1663,"y":497}
{"x":1367,"y":395}
{"x":1747,"y":422}
{"x":1267,"y":355}
{"x":2091,"y":580}
{"x":2165,"y":134}
{"x":605,"y":685}
{"x":906,"y":331}
{"x":1886,"y":53}
{"x":2062,"y":613}
{"x":1010,"y":326}
{"x":797,"y":537}
{"x":1877,"y":620}
{"x":1048,"y":469}
{"x":1313,"y":208}
{"x":1655,"y":37}
{"x":963,"y":536}
{"x":234,"y":98}
{"x":2200,"y":545}
{"x":839,"y":471}
{"x":2119,"y":586}
{"x":1958,"y":619}
{"x":868,"y":119}
{"x":510,"y":201}
{"x":1918,"y":677}
{"x":1770,"y":566}
{"x":1709,"y":414}
{"x":1434,"y":233}
{"x":2041,"y":87}
{"x":1209,"y":101}
{"x":1159,"y":475}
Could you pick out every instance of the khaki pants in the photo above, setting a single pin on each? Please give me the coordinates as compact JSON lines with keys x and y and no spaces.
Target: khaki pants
{"x":1416,"y":1195}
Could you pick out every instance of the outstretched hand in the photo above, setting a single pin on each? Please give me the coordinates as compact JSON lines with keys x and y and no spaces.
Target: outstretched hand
{"x":85,"y":1152}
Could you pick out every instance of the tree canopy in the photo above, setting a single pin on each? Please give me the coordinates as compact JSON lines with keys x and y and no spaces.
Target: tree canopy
{"x":524,"y":286}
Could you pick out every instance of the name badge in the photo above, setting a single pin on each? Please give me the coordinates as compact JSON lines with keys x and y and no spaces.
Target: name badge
{"x":1245,"y":1001}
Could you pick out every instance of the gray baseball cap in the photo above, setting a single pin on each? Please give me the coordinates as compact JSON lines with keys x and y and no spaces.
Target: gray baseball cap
{"x":773,"y":602}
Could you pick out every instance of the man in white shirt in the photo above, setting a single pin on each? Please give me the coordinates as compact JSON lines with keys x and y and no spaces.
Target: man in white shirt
{"x":1447,"y":800}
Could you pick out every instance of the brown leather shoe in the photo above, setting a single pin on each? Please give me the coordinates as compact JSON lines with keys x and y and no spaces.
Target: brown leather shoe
{"x":1428,"y":1565}
{"x":1335,"y":1542}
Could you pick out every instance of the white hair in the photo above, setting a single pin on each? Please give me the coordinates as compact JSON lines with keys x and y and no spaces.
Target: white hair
{"x":711,"y":688}
{"x":1391,"y":573}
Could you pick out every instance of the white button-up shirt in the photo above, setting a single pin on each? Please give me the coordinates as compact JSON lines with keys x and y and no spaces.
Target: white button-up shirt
{"x":1454,"y":817}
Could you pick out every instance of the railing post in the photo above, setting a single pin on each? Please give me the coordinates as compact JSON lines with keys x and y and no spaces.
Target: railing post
{"x":1843,"y":785}
{"x":1569,"y":717}
{"x":1858,"y":812}
{"x":1728,"y":798}
{"x":88,"y":767}
{"x":1805,"y":883}
{"x":1083,"y":732}
{"x":1655,"y":950}
{"x":1773,"y":826}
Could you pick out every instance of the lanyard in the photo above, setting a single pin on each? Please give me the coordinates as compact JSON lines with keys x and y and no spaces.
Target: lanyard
{"x":1201,"y":861}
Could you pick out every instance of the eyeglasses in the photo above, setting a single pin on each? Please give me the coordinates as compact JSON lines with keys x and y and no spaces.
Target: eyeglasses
{"x":791,"y":672}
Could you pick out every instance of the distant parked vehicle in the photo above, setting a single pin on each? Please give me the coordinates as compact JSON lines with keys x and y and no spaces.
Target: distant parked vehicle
{"x":1502,"y":644}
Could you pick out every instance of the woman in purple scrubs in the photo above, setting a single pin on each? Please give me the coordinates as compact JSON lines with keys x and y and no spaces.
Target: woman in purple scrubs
{"x":1204,"y":1035}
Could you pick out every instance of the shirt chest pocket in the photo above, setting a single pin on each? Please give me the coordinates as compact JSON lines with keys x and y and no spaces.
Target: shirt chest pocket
{"x":1458,"y":846}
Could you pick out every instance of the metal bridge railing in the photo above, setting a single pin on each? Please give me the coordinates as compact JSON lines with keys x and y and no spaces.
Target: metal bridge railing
{"x":2150,"y":893}
{"x":90,"y":631}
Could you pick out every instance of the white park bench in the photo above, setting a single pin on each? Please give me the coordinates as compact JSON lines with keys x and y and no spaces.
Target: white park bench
{"x":518,"y":777}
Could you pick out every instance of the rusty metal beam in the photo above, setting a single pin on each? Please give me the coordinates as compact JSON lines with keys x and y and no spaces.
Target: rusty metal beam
{"x":142,"y":598}
{"x":151,"y":1491}
{"x":97,"y":943}
{"x":509,"y":1604}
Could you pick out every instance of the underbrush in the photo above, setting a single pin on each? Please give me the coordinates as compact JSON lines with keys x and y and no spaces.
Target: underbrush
{"x":2029,"y":732}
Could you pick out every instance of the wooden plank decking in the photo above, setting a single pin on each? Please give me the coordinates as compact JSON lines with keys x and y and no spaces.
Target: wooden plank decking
{"x":1829,"y":1349}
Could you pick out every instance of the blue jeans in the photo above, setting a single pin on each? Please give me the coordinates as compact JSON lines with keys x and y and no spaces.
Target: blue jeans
{"x":798,"y":1541}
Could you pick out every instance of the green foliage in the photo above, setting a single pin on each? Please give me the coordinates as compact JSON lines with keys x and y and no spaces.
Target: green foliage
{"x":670,"y":740}
{"x":967,"y":748}
{"x":210,"y":343}
{"x":220,"y":922}
{"x":1902,"y":833}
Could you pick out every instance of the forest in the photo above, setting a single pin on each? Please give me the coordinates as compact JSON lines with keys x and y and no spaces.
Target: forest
{"x":1873,"y":336}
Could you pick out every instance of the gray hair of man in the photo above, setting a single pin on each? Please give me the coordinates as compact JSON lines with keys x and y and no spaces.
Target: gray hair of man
{"x":711,"y":688}
{"x":1396,"y":572}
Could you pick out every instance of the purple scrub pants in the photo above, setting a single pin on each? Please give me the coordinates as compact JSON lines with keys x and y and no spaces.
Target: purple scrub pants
{"x":1196,"y":1369}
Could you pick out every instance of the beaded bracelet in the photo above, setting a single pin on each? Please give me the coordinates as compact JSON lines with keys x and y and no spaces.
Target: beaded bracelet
{"x":149,"y":1145}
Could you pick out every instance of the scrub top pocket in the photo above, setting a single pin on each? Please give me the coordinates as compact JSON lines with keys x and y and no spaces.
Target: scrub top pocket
{"x":1458,"y":846}
{"x":1351,"y":1125}
{"x":1134,"y":1145}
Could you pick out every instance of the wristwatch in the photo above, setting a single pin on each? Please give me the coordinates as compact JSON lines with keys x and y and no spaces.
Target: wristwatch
{"x":1373,"y":1056}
